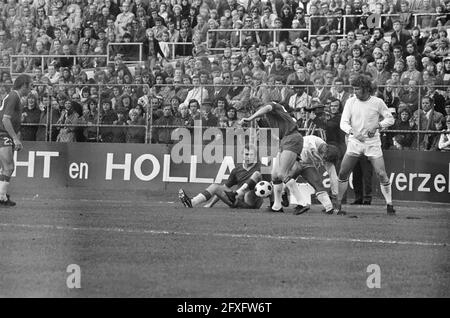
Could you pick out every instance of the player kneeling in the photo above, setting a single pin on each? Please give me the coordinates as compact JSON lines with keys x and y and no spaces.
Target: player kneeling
{"x":315,"y":153}
{"x":245,"y":177}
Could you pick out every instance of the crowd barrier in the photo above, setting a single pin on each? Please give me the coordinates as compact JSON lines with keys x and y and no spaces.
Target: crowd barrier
{"x":50,"y":167}
{"x":149,"y":125}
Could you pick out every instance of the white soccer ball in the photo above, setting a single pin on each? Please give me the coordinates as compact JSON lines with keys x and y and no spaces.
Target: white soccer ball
{"x":263,"y":189}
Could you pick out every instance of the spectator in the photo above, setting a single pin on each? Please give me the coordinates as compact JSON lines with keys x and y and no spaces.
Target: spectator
{"x":135,"y":132}
{"x":197,"y":92}
{"x":208,"y":118}
{"x":107,"y":117}
{"x":444,"y":138}
{"x":299,"y":100}
{"x":335,"y":136}
{"x":30,"y":117}
{"x":232,"y":120}
{"x":399,"y":36}
{"x":404,"y":122}
{"x":70,"y":117}
{"x":194,"y":110}
{"x":321,"y":92}
{"x":425,"y":118}
{"x":163,"y":134}
{"x":185,"y":116}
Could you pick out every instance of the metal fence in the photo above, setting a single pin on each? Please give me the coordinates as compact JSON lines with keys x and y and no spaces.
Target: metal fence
{"x":147,"y":125}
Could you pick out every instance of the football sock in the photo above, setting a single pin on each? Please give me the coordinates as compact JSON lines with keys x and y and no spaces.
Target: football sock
{"x":342,"y":188}
{"x":4,"y":183}
{"x":294,"y":190}
{"x":386,"y":189}
{"x":324,"y":199}
{"x":277,"y":190}
{"x":201,"y":197}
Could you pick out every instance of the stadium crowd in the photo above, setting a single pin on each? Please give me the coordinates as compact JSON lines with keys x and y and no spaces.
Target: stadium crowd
{"x":181,"y":72}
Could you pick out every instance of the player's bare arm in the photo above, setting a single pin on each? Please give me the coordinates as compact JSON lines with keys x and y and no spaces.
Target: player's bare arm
{"x":260,"y":112}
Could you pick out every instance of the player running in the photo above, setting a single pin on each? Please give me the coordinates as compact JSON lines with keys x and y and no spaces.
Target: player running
{"x":245,"y":177}
{"x":316,"y":152}
{"x":291,"y":143}
{"x":10,"y":115}
{"x":361,"y":122}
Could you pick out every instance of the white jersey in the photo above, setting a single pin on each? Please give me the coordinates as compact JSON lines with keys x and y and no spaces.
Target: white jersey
{"x":309,"y":155}
{"x":361,"y":116}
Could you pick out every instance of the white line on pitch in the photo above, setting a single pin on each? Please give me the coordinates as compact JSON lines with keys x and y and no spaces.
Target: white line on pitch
{"x":227,"y":235}
{"x":100,"y":200}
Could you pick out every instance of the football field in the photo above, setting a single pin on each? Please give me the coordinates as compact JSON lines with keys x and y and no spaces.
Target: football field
{"x":150,"y":246}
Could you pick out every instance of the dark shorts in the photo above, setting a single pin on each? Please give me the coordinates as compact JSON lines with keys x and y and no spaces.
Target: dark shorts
{"x":292,"y":142}
{"x":6,"y":141}
{"x":250,"y":201}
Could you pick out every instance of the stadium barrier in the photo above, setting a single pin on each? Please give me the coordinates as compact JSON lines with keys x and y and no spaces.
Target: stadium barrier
{"x":45,"y":167}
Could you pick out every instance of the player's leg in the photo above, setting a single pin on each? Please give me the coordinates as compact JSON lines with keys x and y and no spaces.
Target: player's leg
{"x":311,"y":175}
{"x":385,"y":184}
{"x":251,"y":200}
{"x":249,"y":184}
{"x":212,"y":202}
{"x":285,"y":162}
{"x":295,"y":172}
{"x":208,"y":193}
{"x":7,"y":165}
{"x":367,"y":175}
{"x":358,"y":182}
{"x":348,"y":162}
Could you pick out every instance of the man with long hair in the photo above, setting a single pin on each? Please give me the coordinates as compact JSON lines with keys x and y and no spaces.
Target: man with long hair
{"x":361,"y":122}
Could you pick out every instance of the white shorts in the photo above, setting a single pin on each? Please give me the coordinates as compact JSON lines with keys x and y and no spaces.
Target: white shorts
{"x":357,"y":148}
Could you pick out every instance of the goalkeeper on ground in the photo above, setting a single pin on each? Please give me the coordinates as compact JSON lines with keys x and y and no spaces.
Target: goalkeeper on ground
{"x":244,"y":177}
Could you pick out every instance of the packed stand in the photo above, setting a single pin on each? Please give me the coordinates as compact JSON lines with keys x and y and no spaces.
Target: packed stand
{"x":133,"y":71}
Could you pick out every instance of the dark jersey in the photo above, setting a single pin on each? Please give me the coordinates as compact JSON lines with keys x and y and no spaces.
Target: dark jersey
{"x":239,"y":175}
{"x":12,"y":107}
{"x":279,"y":118}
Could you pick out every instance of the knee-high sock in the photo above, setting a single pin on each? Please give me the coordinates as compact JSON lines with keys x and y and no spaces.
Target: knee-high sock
{"x":3,"y":190}
{"x":277,"y":190}
{"x":324,"y":199}
{"x":295,"y":191}
{"x":201,"y":197}
{"x":386,"y":189}
{"x":342,"y":188}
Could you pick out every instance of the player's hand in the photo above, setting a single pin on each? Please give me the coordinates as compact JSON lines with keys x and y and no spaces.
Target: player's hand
{"x":359,"y":137}
{"x":371,"y":132}
{"x":17,"y":145}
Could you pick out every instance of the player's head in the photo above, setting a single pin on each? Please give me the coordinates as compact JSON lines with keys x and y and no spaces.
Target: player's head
{"x":362,"y":87}
{"x":22,"y":84}
{"x":330,"y":153}
{"x":250,"y":154}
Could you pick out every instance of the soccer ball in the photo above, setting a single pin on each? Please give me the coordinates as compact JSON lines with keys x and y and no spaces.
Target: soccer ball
{"x":263,"y":189}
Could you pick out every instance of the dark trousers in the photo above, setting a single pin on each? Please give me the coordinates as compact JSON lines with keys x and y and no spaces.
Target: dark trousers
{"x":362,"y":179}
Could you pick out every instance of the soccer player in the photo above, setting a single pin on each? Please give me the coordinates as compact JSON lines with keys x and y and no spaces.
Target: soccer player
{"x":316,"y":152}
{"x":291,"y":143}
{"x":361,"y":122}
{"x":10,"y":115}
{"x":244,"y":176}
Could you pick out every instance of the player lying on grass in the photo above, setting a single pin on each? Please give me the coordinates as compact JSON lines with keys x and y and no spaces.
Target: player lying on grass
{"x":244,"y":176}
{"x":316,"y":152}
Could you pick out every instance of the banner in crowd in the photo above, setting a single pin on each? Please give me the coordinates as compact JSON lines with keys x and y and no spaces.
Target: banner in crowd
{"x":421,"y":176}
